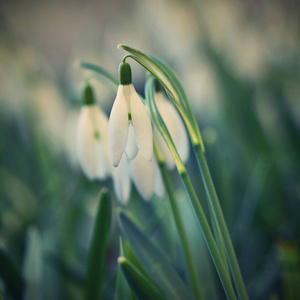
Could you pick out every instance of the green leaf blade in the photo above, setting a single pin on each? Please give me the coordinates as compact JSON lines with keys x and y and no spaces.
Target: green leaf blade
{"x":123,"y":291}
{"x":33,"y":265}
{"x":154,"y":68}
{"x":155,"y":264}
{"x":141,"y":286}
{"x":102,"y":75}
{"x":96,"y":262}
{"x":10,"y":276}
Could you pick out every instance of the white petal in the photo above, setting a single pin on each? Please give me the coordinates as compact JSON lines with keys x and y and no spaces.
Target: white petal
{"x":141,"y":125}
{"x":165,"y":151}
{"x":181,"y":141}
{"x":121,"y":181}
{"x":142,"y":174}
{"x":158,"y":186}
{"x":87,"y":143}
{"x":131,"y":147}
{"x":118,"y":125}
{"x":166,"y":110}
{"x":104,"y":167}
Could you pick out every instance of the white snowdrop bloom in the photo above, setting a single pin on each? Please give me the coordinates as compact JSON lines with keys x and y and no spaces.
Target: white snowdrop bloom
{"x":129,"y":128}
{"x":146,"y":177}
{"x":92,"y":139}
{"x":121,"y":180}
{"x":176,"y":129}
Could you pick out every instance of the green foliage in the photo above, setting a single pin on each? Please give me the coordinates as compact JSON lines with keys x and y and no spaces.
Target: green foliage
{"x":10,"y":276}
{"x":141,"y":286}
{"x":155,"y":264}
{"x":96,"y":263}
{"x":251,"y":136}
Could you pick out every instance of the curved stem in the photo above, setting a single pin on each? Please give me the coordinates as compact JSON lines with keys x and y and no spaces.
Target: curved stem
{"x":181,"y":232}
{"x":209,"y":239}
{"x":219,"y":240}
{"x":208,"y":236}
{"x":218,"y":214}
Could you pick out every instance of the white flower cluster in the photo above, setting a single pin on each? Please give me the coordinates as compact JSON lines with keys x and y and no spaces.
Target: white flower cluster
{"x":122,"y":147}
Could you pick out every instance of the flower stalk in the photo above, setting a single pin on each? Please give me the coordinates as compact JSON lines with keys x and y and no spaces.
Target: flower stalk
{"x":179,"y":225}
{"x":218,"y":215}
{"x":207,"y":233}
{"x":220,"y":244}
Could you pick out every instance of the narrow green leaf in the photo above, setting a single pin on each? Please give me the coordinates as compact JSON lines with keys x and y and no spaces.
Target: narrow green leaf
{"x":160,"y":124}
{"x":172,"y":85}
{"x":33,"y":265}
{"x":123,"y":291}
{"x":154,"y":68}
{"x":128,"y":253}
{"x":96,"y":262}
{"x":141,"y":286}
{"x":10,"y":276}
{"x":155,"y":264}
{"x":171,"y":74}
{"x":182,"y":96}
{"x":102,"y":75}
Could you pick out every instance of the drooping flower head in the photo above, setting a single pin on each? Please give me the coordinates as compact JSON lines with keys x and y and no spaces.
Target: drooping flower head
{"x":92,"y":139}
{"x":129,"y":128}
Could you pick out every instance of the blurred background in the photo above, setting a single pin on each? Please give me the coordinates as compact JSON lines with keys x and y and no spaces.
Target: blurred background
{"x":239,"y":63}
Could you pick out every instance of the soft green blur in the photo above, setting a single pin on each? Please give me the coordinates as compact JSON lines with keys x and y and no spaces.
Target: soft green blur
{"x":239,"y":64}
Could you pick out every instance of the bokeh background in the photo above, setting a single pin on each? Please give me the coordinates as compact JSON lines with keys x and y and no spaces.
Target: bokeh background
{"x":239,"y":63}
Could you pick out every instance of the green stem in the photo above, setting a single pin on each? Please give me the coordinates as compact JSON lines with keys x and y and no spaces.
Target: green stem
{"x":219,"y":240}
{"x":217,"y":211}
{"x":208,"y":236}
{"x":182,"y":235}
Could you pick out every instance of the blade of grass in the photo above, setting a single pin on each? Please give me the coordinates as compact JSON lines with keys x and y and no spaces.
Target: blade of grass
{"x":154,"y":262}
{"x":209,"y":239}
{"x":163,"y":75}
{"x":96,"y":262}
{"x":104,"y":76}
{"x":33,"y":265}
{"x":218,"y":214}
{"x":10,"y":276}
{"x":123,"y":291}
{"x":180,"y":228}
{"x":142,"y":287}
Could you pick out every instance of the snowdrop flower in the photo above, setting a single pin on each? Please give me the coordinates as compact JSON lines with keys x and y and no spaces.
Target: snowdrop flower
{"x":146,"y":177}
{"x":92,"y":139}
{"x":176,"y":128}
{"x":129,"y":128}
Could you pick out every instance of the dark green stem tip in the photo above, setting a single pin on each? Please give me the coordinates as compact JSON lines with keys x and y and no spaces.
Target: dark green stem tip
{"x":125,"y":74}
{"x":88,"y":95}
